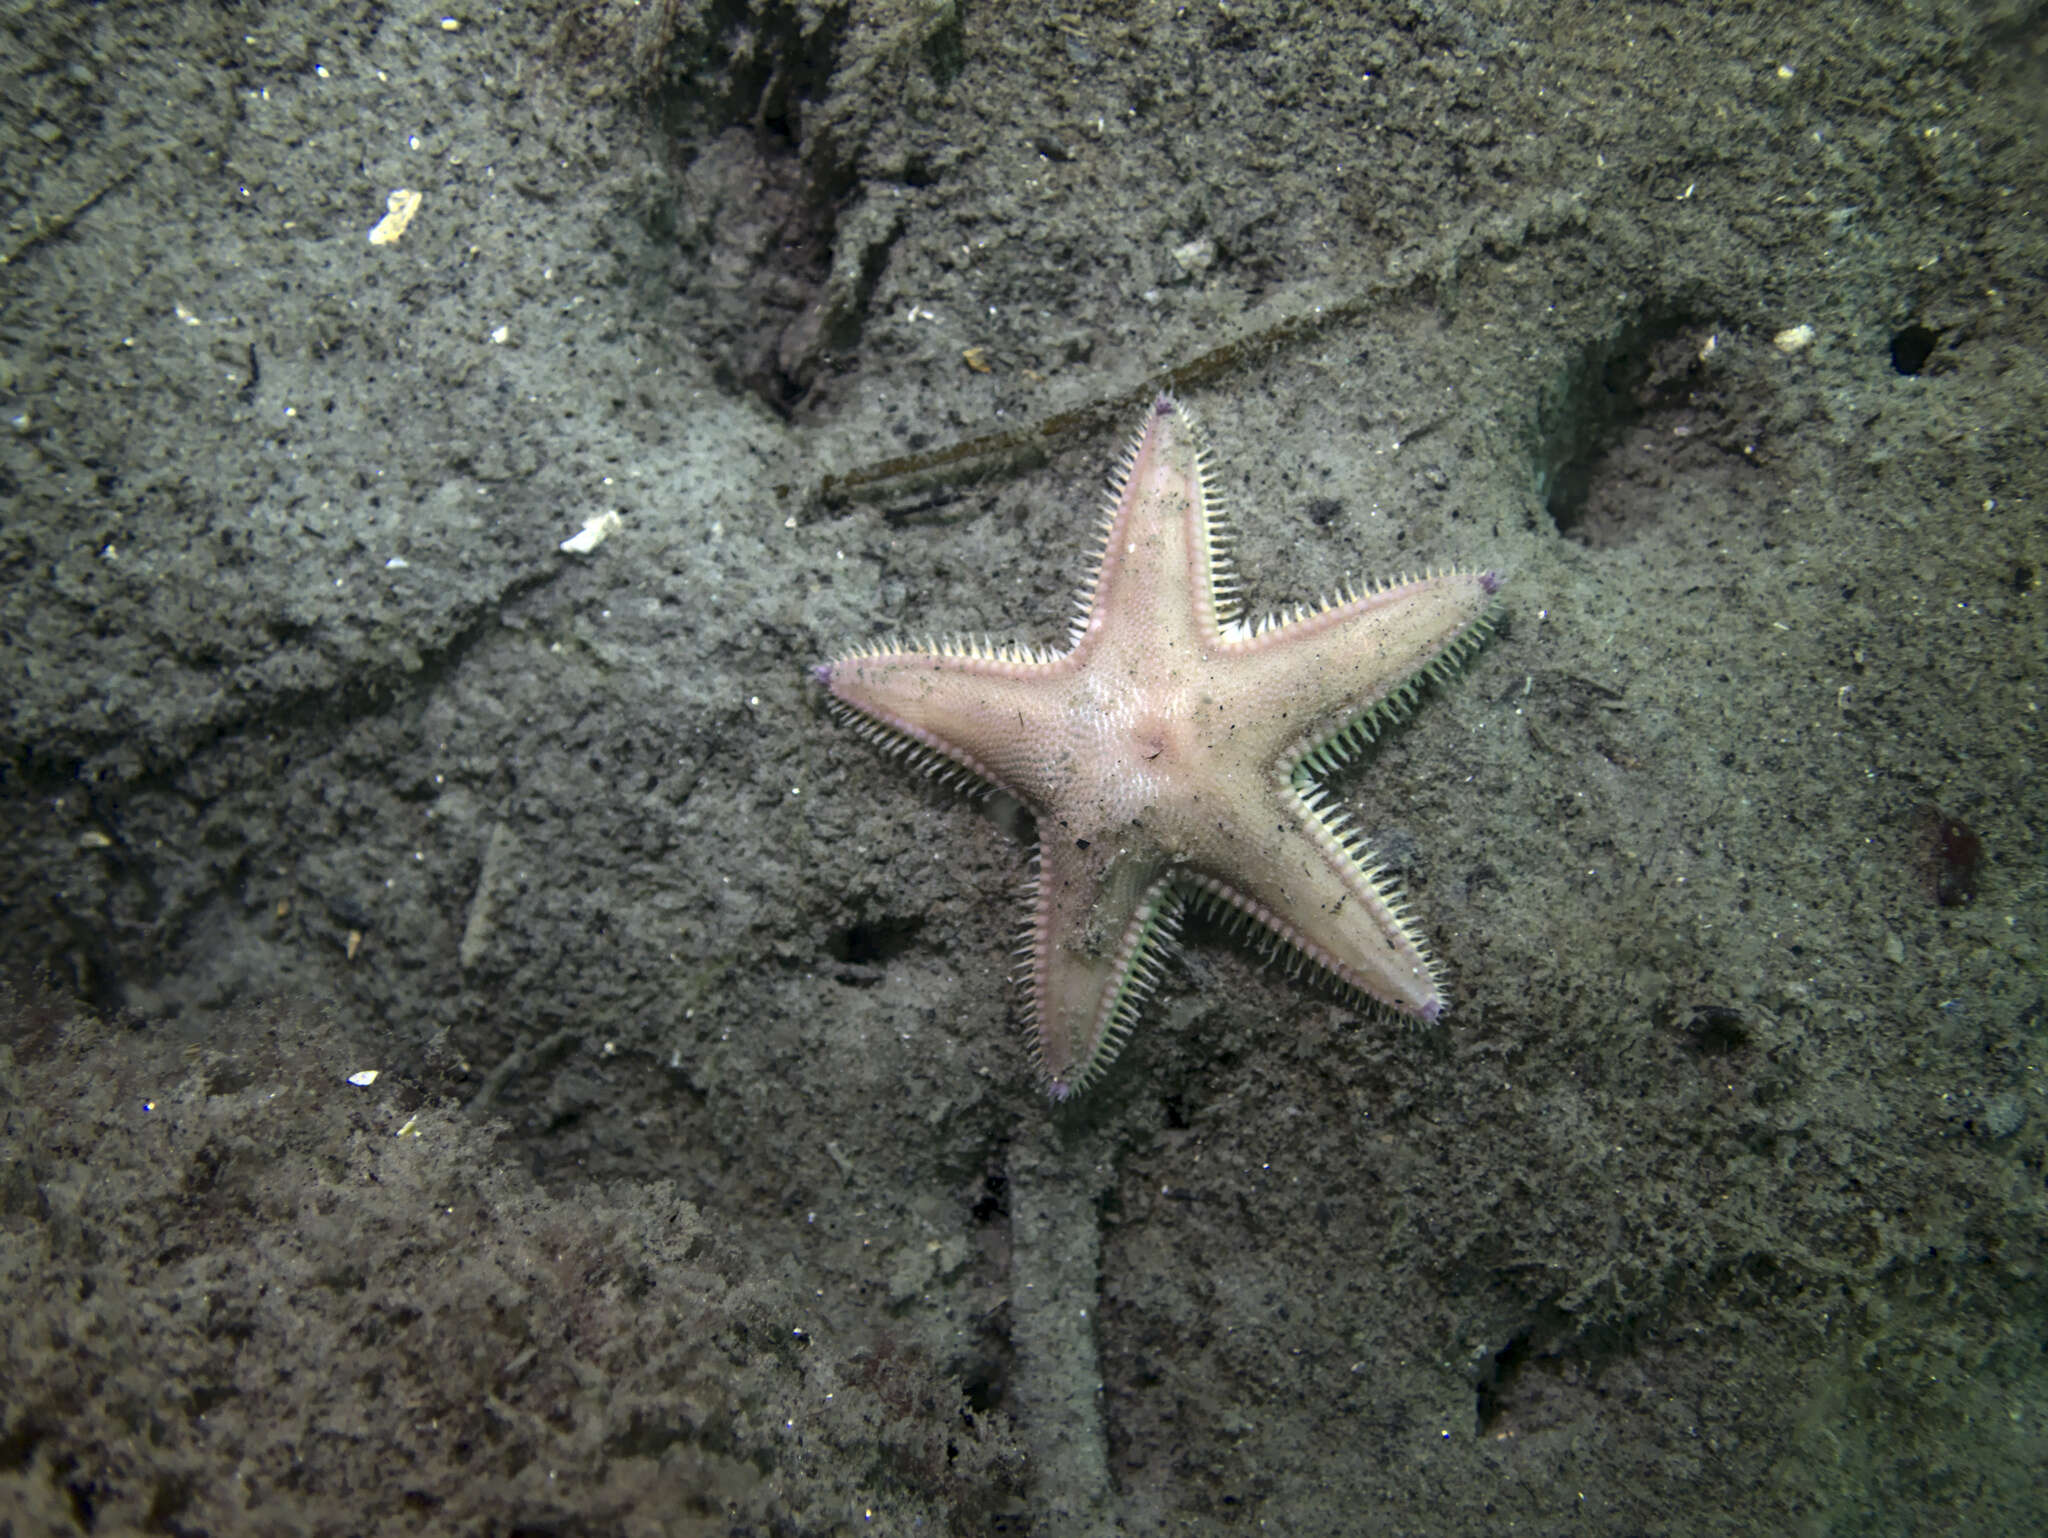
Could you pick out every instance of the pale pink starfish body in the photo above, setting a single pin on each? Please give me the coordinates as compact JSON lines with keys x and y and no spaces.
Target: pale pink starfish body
{"x":1171,"y":754}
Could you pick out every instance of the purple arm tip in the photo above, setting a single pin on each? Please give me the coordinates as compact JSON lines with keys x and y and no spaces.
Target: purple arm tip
{"x":821,"y":674}
{"x":1491,"y":581}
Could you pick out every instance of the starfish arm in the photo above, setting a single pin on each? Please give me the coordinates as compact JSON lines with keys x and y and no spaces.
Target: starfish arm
{"x":1164,"y":553}
{"x":1318,"y":681}
{"x":1100,"y":924}
{"x":1303,"y":874}
{"x":955,"y":706}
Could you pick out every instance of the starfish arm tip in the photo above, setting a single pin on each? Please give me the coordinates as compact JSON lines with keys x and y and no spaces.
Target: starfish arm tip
{"x":1432,"y":1012}
{"x":821,"y":674}
{"x":1491,"y":581}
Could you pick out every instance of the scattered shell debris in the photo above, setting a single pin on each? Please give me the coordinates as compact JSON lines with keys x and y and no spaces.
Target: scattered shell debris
{"x":1793,"y":339}
{"x":398,"y":211}
{"x":363,"y":1078}
{"x":1196,"y":257}
{"x":593,"y":534}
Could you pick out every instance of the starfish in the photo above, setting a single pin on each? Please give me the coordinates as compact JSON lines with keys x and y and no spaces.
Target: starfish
{"x":1173,"y":755}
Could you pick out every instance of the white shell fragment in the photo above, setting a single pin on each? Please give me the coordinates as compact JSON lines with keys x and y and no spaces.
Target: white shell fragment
{"x":398,"y":211}
{"x":364,"y":1078}
{"x":1793,"y":339}
{"x":1196,"y":257}
{"x":593,"y":534}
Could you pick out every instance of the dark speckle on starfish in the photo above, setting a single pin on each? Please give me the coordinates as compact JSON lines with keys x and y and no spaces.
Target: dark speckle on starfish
{"x":1174,"y":752}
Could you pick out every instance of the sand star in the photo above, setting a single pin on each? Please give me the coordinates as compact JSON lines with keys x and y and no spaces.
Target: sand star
{"x":1172,"y":755}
